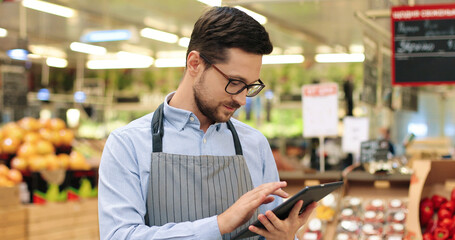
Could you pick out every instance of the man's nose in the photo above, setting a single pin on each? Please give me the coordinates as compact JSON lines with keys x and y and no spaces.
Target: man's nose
{"x":240,"y":98}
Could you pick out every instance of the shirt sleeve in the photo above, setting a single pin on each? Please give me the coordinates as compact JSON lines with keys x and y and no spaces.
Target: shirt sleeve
{"x":122,"y":204}
{"x":269,"y":173}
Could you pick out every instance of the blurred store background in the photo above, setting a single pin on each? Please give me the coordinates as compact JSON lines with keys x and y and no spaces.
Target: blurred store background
{"x":73,"y":71}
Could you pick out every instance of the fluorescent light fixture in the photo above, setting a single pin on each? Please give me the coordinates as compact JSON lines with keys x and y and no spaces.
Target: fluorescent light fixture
{"x":159,"y":35}
{"x":356,"y":48}
{"x":87,"y":48}
{"x":56,"y":62}
{"x":282,"y":59}
{"x":127,"y":56}
{"x":258,"y":17}
{"x":339,"y":57}
{"x":117,"y":64}
{"x":170,"y":62}
{"x":184,"y":42}
{"x":135,"y":49}
{"x":213,"y":3}
{"x":17,"y":54}
{"x":3,"y":32}
{"x":171,"y":54}
{"x":49,"y":8}
{"x":107,"y":35}
{"x":34,"y":56}
{"x":47,"y":51}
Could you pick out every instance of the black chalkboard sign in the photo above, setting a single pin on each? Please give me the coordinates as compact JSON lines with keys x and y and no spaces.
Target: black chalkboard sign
{"x":13,"y":86}
{"x":374,"y":150}
{"x":423,"y":44}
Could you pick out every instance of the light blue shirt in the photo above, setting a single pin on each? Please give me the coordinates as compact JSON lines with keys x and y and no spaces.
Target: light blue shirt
{"x":125,"y":169}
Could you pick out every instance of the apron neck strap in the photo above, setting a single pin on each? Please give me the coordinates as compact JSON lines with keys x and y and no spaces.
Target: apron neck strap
{"x":237,"y":145}
{"x":157,"y":128}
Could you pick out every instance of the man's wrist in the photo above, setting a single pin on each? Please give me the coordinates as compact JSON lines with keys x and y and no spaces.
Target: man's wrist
{"x":222,"y":224}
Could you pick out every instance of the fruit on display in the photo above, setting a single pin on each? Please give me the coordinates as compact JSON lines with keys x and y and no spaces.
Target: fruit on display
{"x":9,"y":177}
{"x":77,"y":161}
{"x":437,"y":217}
{"x":37,"y":144}
{"x":10,"y":145}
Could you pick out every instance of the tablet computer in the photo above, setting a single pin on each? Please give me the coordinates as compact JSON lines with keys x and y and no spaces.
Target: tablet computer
{"x":309,"y":194}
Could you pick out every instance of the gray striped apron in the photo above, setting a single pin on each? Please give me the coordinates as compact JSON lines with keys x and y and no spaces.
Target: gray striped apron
{"x":186,"y":188}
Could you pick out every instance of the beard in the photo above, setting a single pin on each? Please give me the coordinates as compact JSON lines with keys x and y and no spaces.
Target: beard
{"x":209,"y":107}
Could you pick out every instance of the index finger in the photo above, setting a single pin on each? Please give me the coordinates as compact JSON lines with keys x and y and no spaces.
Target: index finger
{"x":272,"y":188}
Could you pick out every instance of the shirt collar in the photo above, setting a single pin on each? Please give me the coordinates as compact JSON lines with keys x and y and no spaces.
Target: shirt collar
{"x":179,"y":118}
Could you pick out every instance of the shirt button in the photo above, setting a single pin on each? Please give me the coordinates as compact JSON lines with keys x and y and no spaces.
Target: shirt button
{"x":204,"y":140}
{"x":191,"y":118}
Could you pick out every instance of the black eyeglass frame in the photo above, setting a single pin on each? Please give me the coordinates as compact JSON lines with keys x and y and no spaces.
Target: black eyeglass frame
{"x":259,"y":85}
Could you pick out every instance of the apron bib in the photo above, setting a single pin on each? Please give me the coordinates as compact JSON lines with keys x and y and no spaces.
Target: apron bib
{"x":186,"y":188}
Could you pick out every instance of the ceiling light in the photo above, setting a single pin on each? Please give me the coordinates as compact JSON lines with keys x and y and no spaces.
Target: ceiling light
{"x":356,"y":48}
{"x":117,"y":64}
{"x":170,"y":62}
{"x":17,"y":54}
{"x":49,"y":8}
{"x":136,"y":49}
{"x":56,"y":62}
{"x":3,"y":32}
{"x":34,"y":56}
{"x":258,"y":17}
{"x":171,"y":54}
{"x":339,"y":57}
{"x":159,"y":35}
{"x":107,"y":35}
{"x":47,"y":51}
{"x":146,"y":60}
{"x":184,"y":42}
{"x":87,"y":48}
{"x":213,"y":3}
{"x":282,"y":59}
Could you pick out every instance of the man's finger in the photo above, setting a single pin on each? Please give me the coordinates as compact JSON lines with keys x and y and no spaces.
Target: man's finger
{"x":306,"y":214}
{"x":296,"y":209}
{"x":267,"y":224}
{"x":274,"y":219}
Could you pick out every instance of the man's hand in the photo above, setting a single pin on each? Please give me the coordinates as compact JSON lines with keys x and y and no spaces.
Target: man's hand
{"x":283,"y":229}
{"x":242,"y":210}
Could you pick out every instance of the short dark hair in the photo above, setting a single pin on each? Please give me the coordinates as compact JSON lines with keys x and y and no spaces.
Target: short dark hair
{"x":221,"y":28}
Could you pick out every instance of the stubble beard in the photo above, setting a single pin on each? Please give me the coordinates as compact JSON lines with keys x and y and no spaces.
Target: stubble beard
{"x":211,"y":108}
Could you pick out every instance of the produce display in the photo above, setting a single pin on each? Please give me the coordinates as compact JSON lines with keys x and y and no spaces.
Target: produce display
{"x":437,"y":217}
{"x":368,"y":219}
{"x":34,"y":145}
{"x":9,"y":177}
{"x":40,"y":152}
{"x":325,"y":212}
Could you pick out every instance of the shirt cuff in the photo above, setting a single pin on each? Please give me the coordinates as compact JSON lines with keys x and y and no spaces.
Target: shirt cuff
{"x":207,"y":228}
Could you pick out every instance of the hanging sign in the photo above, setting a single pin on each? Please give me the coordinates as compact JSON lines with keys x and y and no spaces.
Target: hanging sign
{"x":423,"y":44}
{"x":320,"y":110}
{"x":355,"y":132}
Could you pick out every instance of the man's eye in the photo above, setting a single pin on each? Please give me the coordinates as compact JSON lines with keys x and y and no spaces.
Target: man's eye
{"x":236,"y":82}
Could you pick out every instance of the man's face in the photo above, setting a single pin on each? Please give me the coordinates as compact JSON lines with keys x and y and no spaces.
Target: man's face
{"x":209,"y":90}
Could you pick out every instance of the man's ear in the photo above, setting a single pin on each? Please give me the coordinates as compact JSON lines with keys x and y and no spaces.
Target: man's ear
{"x":194,"y":63}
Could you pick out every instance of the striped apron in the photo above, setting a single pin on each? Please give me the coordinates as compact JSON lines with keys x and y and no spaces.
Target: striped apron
{"x":187,"y":188}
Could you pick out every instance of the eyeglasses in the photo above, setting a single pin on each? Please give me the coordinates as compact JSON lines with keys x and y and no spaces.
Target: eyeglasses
{"x":235,"y":86}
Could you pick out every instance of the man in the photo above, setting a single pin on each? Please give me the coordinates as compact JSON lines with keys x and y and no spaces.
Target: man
{"x":189,"y":171}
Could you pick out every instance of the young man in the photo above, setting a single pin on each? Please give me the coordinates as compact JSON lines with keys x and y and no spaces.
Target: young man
{"x":188,"y":170}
